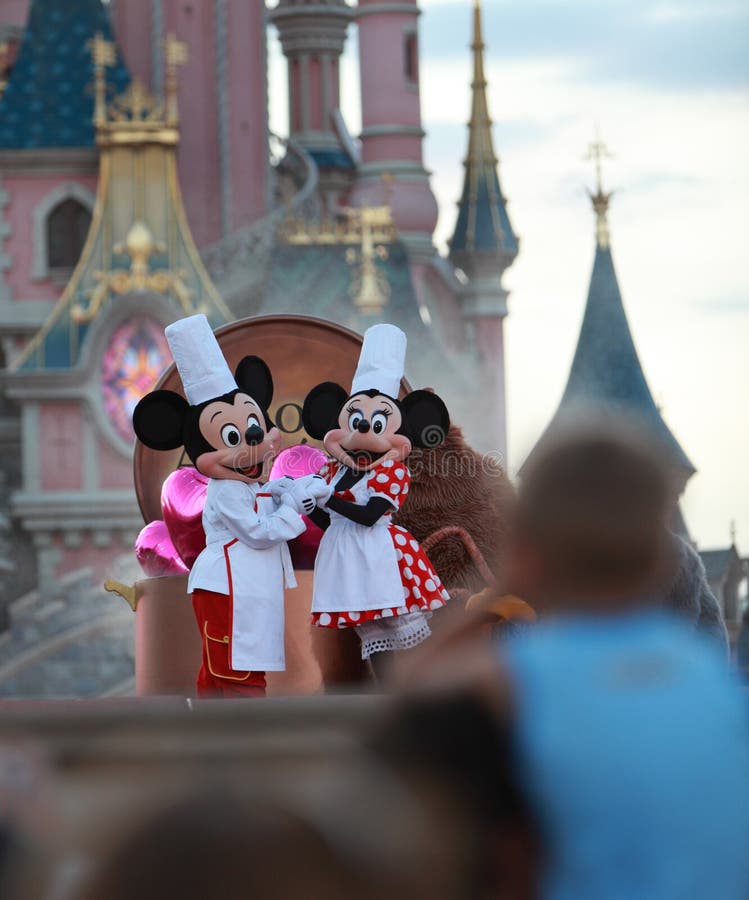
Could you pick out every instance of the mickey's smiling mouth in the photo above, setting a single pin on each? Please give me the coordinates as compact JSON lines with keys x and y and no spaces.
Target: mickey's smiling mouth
{"x":249,"y":472}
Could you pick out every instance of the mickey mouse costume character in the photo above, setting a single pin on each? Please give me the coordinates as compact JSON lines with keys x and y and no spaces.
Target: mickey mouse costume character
{"x":370,"y":574}
{"x":237,"y":582}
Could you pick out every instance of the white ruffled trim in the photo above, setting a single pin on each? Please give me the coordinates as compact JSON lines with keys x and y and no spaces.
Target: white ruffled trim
{"x":393,"y":633}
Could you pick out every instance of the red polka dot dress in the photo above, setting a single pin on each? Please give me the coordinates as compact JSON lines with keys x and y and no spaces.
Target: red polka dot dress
{"x":372,"y":574}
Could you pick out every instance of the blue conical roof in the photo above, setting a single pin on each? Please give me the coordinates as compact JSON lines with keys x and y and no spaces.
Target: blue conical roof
{"x":49,"y":99}
{"x":606,"y":369}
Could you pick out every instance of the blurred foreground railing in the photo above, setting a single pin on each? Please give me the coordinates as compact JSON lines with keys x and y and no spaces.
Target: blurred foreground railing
{"x":86,"y":766}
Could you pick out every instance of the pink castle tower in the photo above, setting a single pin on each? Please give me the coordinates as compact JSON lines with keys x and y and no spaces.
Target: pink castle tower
{"x":392,"y":169}
{"x":484,"y":244}
{"x":223,"y":155}
{"x":313,"y":37}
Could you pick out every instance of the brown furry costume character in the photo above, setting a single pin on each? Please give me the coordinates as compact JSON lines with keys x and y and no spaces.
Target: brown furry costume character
{"x":456,"y":489}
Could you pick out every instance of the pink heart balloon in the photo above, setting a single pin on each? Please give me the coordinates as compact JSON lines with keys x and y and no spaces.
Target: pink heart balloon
{"x":156,"y":553}
{"x":182,"y":501}
{"x":298,"y":461}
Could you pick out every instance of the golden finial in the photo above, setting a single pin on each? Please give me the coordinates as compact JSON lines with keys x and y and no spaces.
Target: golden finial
{"x":104,"y":55}
{"x":477,"y":45}
{"x":135,"y":116}
{"x":478,"y":40}
{"x":176,"y":54}
{"x":598,"y":151}
{"x":370,"y":290}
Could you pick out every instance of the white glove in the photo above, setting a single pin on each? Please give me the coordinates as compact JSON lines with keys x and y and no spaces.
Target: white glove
{"x":301,"y":505}
{"x":278,"y":487}
{"x":317,"y":488}
{"x":298,"y":496}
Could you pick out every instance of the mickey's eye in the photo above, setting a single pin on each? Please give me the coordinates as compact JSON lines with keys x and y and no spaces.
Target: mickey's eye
{"x":253,"y":420}
{"x":230,"y":435}
{"x":354,"y":419}
{"x":379,"y":422}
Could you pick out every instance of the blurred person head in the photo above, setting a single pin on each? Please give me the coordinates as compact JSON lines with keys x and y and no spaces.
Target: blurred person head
{"x":590,"y":519}
{"x":221,"y":842}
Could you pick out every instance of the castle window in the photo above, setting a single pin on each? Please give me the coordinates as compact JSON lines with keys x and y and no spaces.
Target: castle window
{"x":67,"y":227}
{"x":60,"y":223}
{"x":411,"y":58}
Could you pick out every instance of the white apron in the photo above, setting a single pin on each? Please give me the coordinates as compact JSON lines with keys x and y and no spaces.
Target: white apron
{"x":246,"y":557}
{"x":356,"y":568}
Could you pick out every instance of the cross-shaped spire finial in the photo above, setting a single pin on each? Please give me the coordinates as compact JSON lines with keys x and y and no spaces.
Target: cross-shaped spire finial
{"x":598,"y":151}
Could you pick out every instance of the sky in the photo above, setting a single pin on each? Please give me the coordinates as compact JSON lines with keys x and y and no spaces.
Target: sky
{"x":667,"y":85}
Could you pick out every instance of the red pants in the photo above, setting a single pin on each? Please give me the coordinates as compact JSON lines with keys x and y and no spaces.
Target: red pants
{"x":216,"y":677}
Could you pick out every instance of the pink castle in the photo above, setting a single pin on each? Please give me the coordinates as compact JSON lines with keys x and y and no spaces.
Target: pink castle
{"x":261,"y":210}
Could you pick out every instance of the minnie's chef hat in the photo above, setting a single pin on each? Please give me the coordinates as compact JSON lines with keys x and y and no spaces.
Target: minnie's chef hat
{"x":381,"y":362}
{"x":199,"y":360}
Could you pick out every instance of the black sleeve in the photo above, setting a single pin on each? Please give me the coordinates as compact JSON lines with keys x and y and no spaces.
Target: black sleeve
{"x":362,"y":515}
{"x":319,"y":517}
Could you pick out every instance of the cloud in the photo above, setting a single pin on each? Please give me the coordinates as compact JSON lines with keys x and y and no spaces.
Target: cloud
{"x":666,"y":45}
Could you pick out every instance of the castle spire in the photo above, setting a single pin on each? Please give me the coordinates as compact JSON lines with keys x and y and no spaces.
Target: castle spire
{"x":606,"y":372}
{"x":483,"y":245}
{"x":482,"y":223}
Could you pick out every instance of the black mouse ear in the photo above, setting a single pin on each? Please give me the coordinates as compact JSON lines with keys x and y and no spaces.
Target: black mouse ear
{"x":321,"y":409}
{"x":158,"y":420}
{"x":253,"y":377}
{"x":425,"y":418}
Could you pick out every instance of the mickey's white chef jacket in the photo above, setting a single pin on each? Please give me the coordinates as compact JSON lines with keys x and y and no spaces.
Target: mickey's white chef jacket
{"x":246,"y":557}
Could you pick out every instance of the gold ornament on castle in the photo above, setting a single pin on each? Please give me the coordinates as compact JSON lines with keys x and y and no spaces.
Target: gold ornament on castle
{"x":135,"y":116}
{"x":140,"y":246}
{"x":371,"y":228}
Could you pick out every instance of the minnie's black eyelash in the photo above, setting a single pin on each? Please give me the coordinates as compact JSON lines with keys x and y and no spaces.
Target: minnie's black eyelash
{"x":352,"y":409}
{"x":385,"y":412}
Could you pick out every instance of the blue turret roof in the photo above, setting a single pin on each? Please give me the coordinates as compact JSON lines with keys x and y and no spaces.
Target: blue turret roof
{"x":483,"y":223}
{"x":49,"y":99}
{"x":606,"y":369}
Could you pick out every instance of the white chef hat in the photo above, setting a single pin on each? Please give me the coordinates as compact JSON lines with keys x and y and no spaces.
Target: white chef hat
{"x":381,"y":362}
{"x":199,"y":360}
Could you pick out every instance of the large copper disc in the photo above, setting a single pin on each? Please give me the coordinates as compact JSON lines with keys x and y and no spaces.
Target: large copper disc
{"x":301,"y":352}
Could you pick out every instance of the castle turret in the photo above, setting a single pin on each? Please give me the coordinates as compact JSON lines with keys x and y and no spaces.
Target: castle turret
{"x":312,"y":38}
{"x":391,"y":134}
{"x":606,"y":372}
{"x":483,"y":244}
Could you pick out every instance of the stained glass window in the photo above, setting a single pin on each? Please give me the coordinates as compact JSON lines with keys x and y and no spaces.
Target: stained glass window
{"x":136,"y":357}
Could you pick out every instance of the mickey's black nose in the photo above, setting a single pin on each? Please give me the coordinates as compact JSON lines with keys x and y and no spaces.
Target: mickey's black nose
{"x":254,"y":435}
{"x":363,"y":426}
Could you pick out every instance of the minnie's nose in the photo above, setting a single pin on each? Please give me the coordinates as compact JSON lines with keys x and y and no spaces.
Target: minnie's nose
{"x":363,"y":426}
{"x":254,"y":435}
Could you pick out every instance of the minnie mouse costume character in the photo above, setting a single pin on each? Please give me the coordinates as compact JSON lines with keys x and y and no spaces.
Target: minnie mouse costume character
{"x":370,"y":574}
{"x":237,"y":581}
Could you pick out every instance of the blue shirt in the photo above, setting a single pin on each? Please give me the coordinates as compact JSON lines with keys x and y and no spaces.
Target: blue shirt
{"x":633,"y":740}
